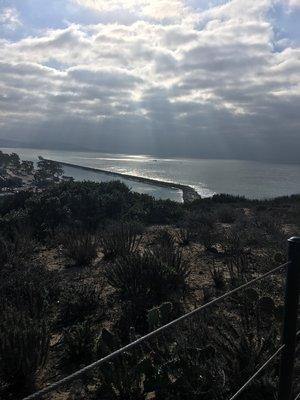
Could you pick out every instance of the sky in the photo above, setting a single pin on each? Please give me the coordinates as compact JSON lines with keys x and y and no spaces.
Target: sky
{"x":195,"y":78}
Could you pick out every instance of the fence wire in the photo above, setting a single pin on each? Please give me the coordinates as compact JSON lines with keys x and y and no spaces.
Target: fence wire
{"x":189,"y":335}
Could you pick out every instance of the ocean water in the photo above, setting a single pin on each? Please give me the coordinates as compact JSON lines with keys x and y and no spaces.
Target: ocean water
{"x":239,"y":177}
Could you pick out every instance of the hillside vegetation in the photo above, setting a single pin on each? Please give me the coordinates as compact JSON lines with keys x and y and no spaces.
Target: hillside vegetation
{"x":88,"y":267}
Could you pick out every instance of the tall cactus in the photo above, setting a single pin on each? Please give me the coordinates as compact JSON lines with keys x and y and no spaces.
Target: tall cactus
{"x":24,"y":345}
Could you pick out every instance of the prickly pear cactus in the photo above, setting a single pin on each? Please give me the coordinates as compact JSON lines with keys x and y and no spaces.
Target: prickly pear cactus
{"x":159,"y":316}
{"x":125,"y":376}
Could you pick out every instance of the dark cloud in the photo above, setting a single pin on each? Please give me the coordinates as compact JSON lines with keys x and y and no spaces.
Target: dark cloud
{"x":209,"y":84}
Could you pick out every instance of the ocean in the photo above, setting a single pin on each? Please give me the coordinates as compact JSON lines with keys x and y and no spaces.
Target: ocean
{"x":252,"y":179}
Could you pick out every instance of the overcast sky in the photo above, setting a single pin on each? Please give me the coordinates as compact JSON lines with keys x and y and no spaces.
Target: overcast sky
{"x":174,"y":77}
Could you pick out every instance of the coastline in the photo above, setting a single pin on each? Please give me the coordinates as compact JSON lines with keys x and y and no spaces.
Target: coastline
{"x":188,"y":193}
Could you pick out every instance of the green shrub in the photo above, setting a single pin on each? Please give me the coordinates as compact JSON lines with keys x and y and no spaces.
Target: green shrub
{"x":146,"y":280}
{"x":208,"y":235}
{"x":184,"y":363}
{"x":170,"y":257}
{"x":16,"y":248}
{"x":164,"y":239}
{"x":163,"y":212}
{"x":233,"y":242}
{"x":184,"y":236}
{"x":217,"y":275}
{"x":228,"y":198}
{"x":125,"y":377}
{"x":79,"y":245}
{"x":30,"y":289}
{"x":120,"y":239}
{"x":227,"y":214}
{"x":149,"y":275}
{"x":196,"y":218}
{"x":77,"y":302}
{"x":24,"y":344}
{"x":84,"y":203}
{"x":6,"y":251}
{"x":159,"y":316}
{"x":136,"y":276}
{"x":78,"y":345}
{"x":11,"y":182}
{"x":247,"y":342}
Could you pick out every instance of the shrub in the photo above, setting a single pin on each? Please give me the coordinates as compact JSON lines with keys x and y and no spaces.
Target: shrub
{"x":120,"y":239}
{"x":77,"y":302}
{"x":149,"y":276}
{"x":165,"y":240}
{"x":233,"y":242}
{"x":24,"y":344}
{"x":184,"y":236}
{"x":170,"y":257}
{"x":6,"y":251}
{"x":146,"y":280}
{"x":246,"y":342}
{"x":125,"y":377}
{"x":164,"y":212}
{"x":226,"y":214}
{"x":15,"y":222}
{"x":159,"y":316}
{"x":16,"y":248}
{"x":137,"y":276}
{"x":86,"y":203}
{"x":11,"y":182}
{"x":239,"y":269}
{"x":30,"y":289}
{"x":78,"y":344}
{"x":79,"y":246}
{"x":217,"y":276}
{"x":185,"y":365}
{"x":228,"y":198}
{"x":197,"y":218}
{"x":208,"y":235}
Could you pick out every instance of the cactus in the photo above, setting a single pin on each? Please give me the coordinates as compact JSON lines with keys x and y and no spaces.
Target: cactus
{"x":77,"y":301}
{"x":170,"y":256}
{"x":148,"y":279}
{"x":24,"y":344}
{"x":159,"y":316}
{"x":246,"y":342}
{"x":79,"y":246}
{"x":120,"y":240}
{"x":125,"y":376}
{"x":217,"y":275}
{"x":78,"y":344}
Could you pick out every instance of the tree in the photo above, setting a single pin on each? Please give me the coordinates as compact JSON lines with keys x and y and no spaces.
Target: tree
{"x":14,"y":160}
{"x":27,"y":167}
{"x":48,"y":169}
{"x":4,"y":161}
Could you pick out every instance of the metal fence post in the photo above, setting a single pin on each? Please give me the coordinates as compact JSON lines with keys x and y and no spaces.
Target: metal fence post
{"x":290,"y":320}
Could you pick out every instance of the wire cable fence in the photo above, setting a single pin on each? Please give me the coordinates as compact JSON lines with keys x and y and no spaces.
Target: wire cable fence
{"x":186,"y":340}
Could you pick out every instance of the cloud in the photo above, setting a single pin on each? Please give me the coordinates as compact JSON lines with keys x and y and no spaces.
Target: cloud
{"x":202,"y":83}
{"x":156,"y":9}
{"x":293,"y":3}
{"x":9,"y":18}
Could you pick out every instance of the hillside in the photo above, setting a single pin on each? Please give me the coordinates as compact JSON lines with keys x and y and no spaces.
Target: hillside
{"x":86,"y":268}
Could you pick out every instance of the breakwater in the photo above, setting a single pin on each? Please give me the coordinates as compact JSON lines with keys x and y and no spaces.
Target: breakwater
{"x":188,"y":193}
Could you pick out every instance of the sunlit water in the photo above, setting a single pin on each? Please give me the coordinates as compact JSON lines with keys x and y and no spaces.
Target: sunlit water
{"x":248,"y":178}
